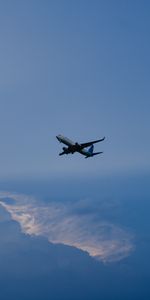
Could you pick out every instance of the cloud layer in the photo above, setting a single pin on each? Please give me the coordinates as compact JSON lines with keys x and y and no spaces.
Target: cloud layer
{"x":62,"y":223}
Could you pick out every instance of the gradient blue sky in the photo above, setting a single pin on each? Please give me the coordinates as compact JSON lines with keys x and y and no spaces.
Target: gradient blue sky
{"x":73,"y":228}
{"x":79,"y":68}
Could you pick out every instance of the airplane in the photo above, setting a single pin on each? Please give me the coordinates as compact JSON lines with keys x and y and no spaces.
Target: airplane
{"x":76,"y":147}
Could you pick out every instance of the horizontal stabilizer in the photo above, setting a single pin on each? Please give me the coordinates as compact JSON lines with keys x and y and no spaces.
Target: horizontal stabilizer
{"x":96,"y":153}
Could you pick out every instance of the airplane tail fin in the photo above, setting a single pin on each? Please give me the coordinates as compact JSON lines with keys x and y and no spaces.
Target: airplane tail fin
{"x":91,"y":149}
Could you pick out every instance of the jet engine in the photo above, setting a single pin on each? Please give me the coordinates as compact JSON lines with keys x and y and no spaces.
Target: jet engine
{"x":65,"y":149}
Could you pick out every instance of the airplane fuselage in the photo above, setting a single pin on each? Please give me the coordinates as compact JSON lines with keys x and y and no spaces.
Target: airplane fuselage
{"x":64,"y":140}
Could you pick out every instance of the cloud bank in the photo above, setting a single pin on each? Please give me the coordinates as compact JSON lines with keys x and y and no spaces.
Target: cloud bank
{"x":61,"y":223}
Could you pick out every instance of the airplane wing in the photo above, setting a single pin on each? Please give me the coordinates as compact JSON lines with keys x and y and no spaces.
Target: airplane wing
{"x":62,"y":153}
{"x":84,"y":145}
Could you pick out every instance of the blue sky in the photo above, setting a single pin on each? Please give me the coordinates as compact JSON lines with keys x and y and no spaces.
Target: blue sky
{"x":76,"y":68}
{"x":72,"y":227}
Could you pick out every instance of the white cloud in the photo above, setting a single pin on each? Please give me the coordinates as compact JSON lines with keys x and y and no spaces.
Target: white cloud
{"x":60,"y":224}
